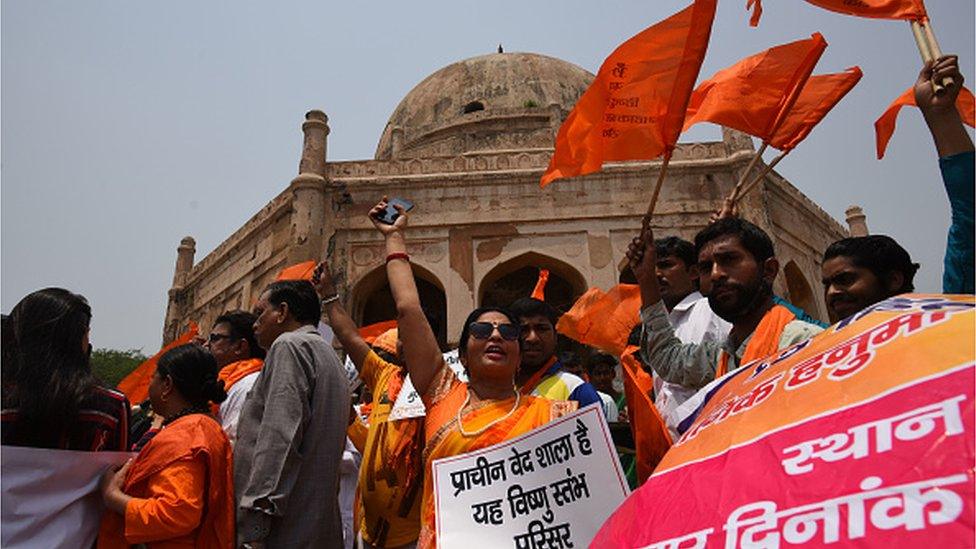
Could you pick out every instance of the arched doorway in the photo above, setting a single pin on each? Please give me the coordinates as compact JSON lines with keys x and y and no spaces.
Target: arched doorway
{"x":373,"y":300}
{"x":800,"y":292}
{"x":517,"y":277}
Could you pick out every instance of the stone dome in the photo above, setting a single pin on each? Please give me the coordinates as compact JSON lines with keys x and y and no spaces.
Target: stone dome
{"x":501,"y":101}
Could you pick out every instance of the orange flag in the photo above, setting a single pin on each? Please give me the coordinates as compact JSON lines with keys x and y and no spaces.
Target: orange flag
{"x":651,"y":436}
{"x":300,"y":271}
{"x":136,"y":385}
{"x":885,"y":125}
{"x":818,"y":96}
{"x":603,"y":320}
{"x":756,"y":94}
{"x":539,"y":292}
{"x":635,"y":106}
{"x":877,"y":9}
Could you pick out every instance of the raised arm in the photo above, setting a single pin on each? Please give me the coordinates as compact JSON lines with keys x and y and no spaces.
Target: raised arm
{"x":421,"y":354}
{"x":342,"y":324}
{"x":940,"y":112}
{"x":689,"y":365}
{"x":955,"y":150}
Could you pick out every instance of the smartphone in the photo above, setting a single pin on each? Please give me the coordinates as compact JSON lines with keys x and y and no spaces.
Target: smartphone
{"x":390,"y":214}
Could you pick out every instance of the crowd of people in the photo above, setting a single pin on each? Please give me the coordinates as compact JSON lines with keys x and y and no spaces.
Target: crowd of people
{"x":255,"y":428}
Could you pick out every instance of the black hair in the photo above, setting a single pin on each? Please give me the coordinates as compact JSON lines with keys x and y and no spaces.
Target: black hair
{"x":569,"y":358}
{"x":753,"y":239}
{"x":601,"y":359}
{"x":46,"y":372}
{"x":878,"y":253}
{"x":676,"y":247}
{"x":241,"y":325}
{"x":194,"y":373}
{"x":525,"y":307}
{"x":303,"y":302}
{"x":473,"y":317}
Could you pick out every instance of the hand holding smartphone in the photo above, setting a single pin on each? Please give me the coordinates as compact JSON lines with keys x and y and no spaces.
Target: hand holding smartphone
{"x":390,"y":214}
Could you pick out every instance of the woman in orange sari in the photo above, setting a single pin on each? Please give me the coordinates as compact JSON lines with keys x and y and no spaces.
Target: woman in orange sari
{"x":178,"y":492}
{"x":461,"y":417}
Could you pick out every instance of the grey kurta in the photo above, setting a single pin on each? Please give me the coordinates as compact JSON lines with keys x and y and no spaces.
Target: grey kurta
{"x":290,"y":440}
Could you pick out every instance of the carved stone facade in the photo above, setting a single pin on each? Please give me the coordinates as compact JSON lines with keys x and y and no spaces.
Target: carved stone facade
{"x":471,"y":159}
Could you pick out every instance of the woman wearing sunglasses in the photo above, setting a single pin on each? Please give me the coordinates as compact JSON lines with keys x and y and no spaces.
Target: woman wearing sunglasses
{"x":461,"y":417}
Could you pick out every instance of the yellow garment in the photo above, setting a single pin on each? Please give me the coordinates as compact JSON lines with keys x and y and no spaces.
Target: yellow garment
{"x":443,"y":400}
{"x":390,"y":477}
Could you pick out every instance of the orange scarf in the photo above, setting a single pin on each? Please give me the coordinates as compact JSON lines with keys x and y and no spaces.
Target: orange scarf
{"x":765,"y":339}
{"x":192,"y":437}
{"x":236,"y":371}
{"x":536,"y":378}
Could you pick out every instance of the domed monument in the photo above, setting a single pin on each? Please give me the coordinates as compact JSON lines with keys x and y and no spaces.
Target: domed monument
{"x":468,"y":146}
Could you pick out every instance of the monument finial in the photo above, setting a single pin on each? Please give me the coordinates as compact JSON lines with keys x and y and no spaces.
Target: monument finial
{"x":500,"y":50}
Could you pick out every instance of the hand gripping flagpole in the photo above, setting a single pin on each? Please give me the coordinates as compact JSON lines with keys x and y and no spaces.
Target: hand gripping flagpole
{"x":928,"y":48}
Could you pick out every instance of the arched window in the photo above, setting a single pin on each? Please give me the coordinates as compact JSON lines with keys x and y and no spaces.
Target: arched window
{"x":516,"y":278}
{"x":800,"y":292}
{"x":474,"y":106}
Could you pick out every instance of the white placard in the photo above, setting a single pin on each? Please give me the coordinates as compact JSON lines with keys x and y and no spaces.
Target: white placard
{"x":50,"y":497}
{"x":551,"y":487}
{"x":408,"y":403}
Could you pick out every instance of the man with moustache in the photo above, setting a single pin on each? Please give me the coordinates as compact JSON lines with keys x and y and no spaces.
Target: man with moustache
{"x":737,"y":264}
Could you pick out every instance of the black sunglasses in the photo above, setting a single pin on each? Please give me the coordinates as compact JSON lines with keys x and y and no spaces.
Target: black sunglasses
{"x":214,"y":338}
{"x":483,"y":330}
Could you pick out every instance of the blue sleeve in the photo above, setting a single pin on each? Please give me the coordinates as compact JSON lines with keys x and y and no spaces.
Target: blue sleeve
{"x":585,"y":394}
{"x":958,"y":269}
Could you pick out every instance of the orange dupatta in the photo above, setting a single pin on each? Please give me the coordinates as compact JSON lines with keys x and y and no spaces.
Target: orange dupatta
{"x":192,"y":437}
{"x":765,"y":339}
{"x":447,"y":440}
{"x":236,"y":371}
{"x":536,"y":378}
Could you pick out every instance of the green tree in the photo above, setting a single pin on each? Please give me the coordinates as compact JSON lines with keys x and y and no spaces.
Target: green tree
{"x":111,"y":365}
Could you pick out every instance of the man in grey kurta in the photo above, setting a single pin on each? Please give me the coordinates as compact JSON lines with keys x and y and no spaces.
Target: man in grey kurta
{"x":292,"y":429}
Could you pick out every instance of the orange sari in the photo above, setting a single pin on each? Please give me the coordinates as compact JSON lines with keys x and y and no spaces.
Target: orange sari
{"x":183,"y":490}
{"x":443,"y":400}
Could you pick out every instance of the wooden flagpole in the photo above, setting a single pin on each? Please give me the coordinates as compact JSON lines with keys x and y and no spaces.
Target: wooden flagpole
{"x":925,"y":51}
{"x":745,"y":174}
{"x":765,"y":172}
{"x":657,"y":188}
{"x":935,"y":50}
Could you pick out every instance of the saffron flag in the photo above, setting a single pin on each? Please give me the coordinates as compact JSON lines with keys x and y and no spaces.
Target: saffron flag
{"x":135,"y":386}
{"x":299,"y":271}
{"x":913,"y":10}
{"x":651,"y":437}
{"x":603,"y":320}
{"x":539,"y":292}
{"x":756,"y":94}
{"x":818,"y":97}
{"x":862,"y":435}
{"x":634,"y":108}
{"x":885,"y":125}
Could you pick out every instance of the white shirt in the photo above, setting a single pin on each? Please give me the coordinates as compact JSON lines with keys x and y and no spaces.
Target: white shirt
{"x":609,"y":407}
{"x":694,"y":322}
{"x":230,"y":408}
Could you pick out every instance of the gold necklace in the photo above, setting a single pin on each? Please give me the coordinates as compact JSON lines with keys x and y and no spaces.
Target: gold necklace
{"x":467,"y":400}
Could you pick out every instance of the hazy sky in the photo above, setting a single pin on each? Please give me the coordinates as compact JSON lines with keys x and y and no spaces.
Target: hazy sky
{"x":128,"y":125}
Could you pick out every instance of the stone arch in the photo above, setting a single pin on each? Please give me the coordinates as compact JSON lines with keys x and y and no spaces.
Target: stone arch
{"x":625,"y":275}
{"x":516,"y":278}
{"x":372,"y":299}
{"x":800,"y":292}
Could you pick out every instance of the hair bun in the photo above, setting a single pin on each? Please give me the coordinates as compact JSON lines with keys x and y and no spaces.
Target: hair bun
{"x":214,"y":391}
